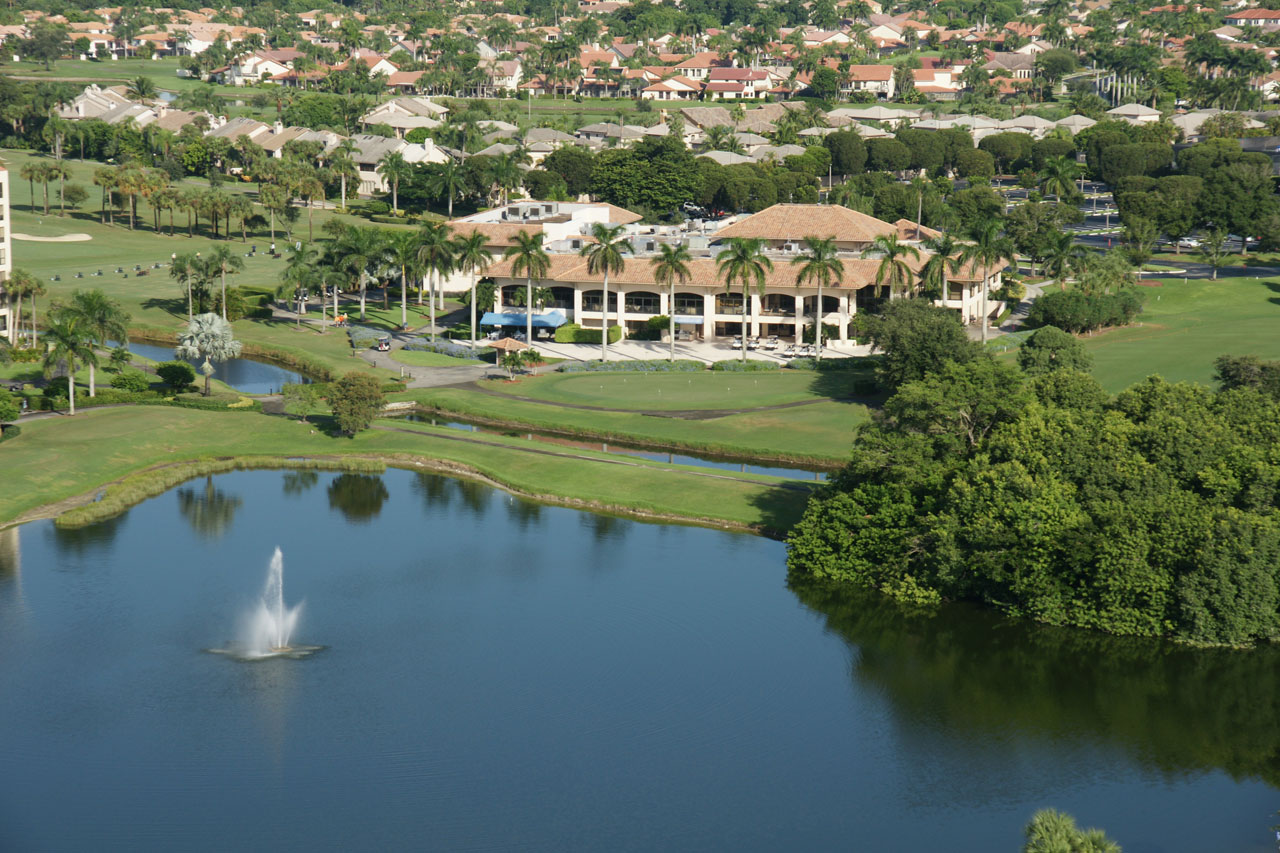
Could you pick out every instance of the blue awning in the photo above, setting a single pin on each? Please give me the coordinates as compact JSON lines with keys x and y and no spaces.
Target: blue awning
{"x":688,"y":320}
{"x":545,"y":320}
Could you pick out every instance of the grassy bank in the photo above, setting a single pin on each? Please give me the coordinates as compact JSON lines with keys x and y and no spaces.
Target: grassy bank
{"x":60,"y":459}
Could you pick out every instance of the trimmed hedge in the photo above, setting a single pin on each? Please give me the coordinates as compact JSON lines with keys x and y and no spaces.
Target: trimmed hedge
{"x":362,"y":337}
{"x":131,"y":379}
{"x":572,"y":333}
{"x":751,"y":365}
{"x":215,"y":403}
{"x":645,"y":366}
{"x":9,"y":431}
{"x":829,"y":364}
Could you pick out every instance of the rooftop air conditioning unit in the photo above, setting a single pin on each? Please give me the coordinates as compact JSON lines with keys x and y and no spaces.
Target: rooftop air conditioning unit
{"x":790,"y":247}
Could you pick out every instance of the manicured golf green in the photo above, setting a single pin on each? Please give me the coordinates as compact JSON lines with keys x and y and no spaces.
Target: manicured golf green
{"x":1184,"y":326}
{"x":430,"y":359}
{"x":59,"y":458}
{"x":681,"y":391}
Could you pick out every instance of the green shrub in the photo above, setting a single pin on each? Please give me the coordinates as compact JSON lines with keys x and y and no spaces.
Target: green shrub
{"x":10,"y":431}
{"x":751,"y":365}
{"x":572,"y":333}
{"x":131,"y":380}
{"x":215,"y":403}
{"x":176,"y":374}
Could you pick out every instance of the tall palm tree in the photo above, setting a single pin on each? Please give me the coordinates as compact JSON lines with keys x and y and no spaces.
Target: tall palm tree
{"x":528,"y":258}
{"x":207,"y":337}
{"x":142,"y":88}
{"x":604,"y":256}
{"x":68,"y":340}
{"x":893,"y":271}
{"x":1057,"y":261}
{"x":669,"y":266}
{"x":744,"y":261}
{"x":104,"y":177}
{"x":989,"y":250}
{"x":933,"y":275}
{"x":20,"y":285}
{"x":224,"y":260}
{"x":435,"y":254}
{"x":1057,"y":176}
{"x":300,"y":273}
{"x":402,"y":252}
{"x":360,"y":254}
{"x":101,"y":318}
{"x":342,"y":165}
{"x":818,"y":265}
{"x":395,"y":169}
{"x":472,"y":258}
{"x":447,"y":180}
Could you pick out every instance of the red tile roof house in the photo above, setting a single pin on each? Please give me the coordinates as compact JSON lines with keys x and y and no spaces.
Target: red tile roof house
{"x":746,"y":83}
{"x":1267,"y":19}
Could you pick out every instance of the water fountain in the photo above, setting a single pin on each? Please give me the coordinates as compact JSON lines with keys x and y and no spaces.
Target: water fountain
{"x":268,"y":629}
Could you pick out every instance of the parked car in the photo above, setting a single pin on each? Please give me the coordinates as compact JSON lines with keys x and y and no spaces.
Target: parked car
{"x":1188,"y":243}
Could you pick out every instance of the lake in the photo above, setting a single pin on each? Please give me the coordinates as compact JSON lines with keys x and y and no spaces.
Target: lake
{"x":242,"y":374}
{"x":502,"y":674}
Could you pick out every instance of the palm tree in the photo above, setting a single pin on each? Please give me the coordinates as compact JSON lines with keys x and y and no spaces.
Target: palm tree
{"x":34,"y":288}
{"x":359,"y":253}
{"x":30,"y":172}
{"x":104,"y":177}
{"x":207,"y":337}
{"x":820,"y":266}
{"x":101,"y":318}
{"x":1057,"y":261}
{"x":142,"y":88}
{"x":342,"y":165}
{"x":224,"y":260}
{"x":604,"y":256}
{"x":69,"y":340}
{"x":893,"y":271}
{"x":1057,"y":177}
{"x":435,"y":256}
{"x":531,"y":260}
{"x":933,"y":275}
{"x":744,"y":260}
{"x":472,"y":258}
{"x":447,"y":180}
{"x":395,"y":169}
{"x":300,"y":273}
{"x":402,"y":251}
{"x":669,"y":266}
{"x":989,"y":250}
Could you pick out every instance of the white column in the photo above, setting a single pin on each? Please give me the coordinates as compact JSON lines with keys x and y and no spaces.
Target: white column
{"x":577,"y":304}
{"x":757,"y":304}
{"x":708,"y":315}
{"x":799,"y":319}
{"x":622,"y":305}
{"x":844,"y":317}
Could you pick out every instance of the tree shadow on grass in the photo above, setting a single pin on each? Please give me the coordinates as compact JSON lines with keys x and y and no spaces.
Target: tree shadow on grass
{"x":843,"y":385}
{"x":782,"y":506}
{"x":173,"y":307}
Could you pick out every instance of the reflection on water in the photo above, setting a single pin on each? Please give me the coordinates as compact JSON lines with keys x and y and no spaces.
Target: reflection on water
{"x":208,"y":510}
{"x":438,"y":493}
{"x":84,"y":540}
{"x":359,"y":497}
{"x":297,"y":483}
{"x":1174,"y":709}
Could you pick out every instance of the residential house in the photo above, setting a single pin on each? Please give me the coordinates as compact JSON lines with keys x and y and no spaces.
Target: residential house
{"x":876,"y":79}
{"x":370,"y":151}
{"x":676,"y":88}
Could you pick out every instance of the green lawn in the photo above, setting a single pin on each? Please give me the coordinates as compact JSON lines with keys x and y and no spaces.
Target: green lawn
{"x":820,"y":433}
{"x":110,"y":72}
{"x":1185,"y":326}
{"x":59,"y":458}
{"x":681,"y":391}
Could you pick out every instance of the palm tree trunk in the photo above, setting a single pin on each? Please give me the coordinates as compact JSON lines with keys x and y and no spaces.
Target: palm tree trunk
{"x":817,"y":324}
{"x":473,"y":311}
{"x":363,"y":290}
{"x":528,"y":311}
{"x":404,"y":298}
{"x":71,"y":384}
{"x":34,"y":332}
{"x":93,"y":387}
{"x":604,"y":321}
{"x":671,"y":320}
{"x":431,"y":301}
{"x":746,"y":297}
{"x":224,"y":293}
{"x":311,"y":236}
{"x":985,"y":275}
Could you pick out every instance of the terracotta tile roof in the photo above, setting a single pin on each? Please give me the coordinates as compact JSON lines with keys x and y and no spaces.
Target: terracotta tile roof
{"x":797,"y":221}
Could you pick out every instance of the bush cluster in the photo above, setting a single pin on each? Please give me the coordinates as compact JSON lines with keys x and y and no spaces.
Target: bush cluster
{"x":645,"y":366}
{"x":572,"y":333}
{"x":751,"y":365}
{"x":131,"y":380}
{"x":362,"y":337}
{"x":1073,"y":311}
{"x":827,"y":365}
{"x":448,"y":348}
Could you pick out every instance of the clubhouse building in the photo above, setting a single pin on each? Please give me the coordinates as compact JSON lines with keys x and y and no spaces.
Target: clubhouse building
{"x":702,"y":307}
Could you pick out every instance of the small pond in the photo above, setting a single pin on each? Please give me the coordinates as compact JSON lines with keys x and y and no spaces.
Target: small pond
{"x":243,"y":374}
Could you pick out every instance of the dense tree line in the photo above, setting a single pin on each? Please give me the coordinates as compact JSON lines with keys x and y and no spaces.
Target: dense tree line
{"x":1149,"y":513}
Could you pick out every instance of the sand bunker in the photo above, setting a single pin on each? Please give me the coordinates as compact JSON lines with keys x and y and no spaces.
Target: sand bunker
{"x":65,"y":238}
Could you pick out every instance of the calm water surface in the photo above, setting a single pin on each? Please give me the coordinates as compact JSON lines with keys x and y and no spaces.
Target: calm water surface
{"x":504,"y":675}
{"x":242,"y":374}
